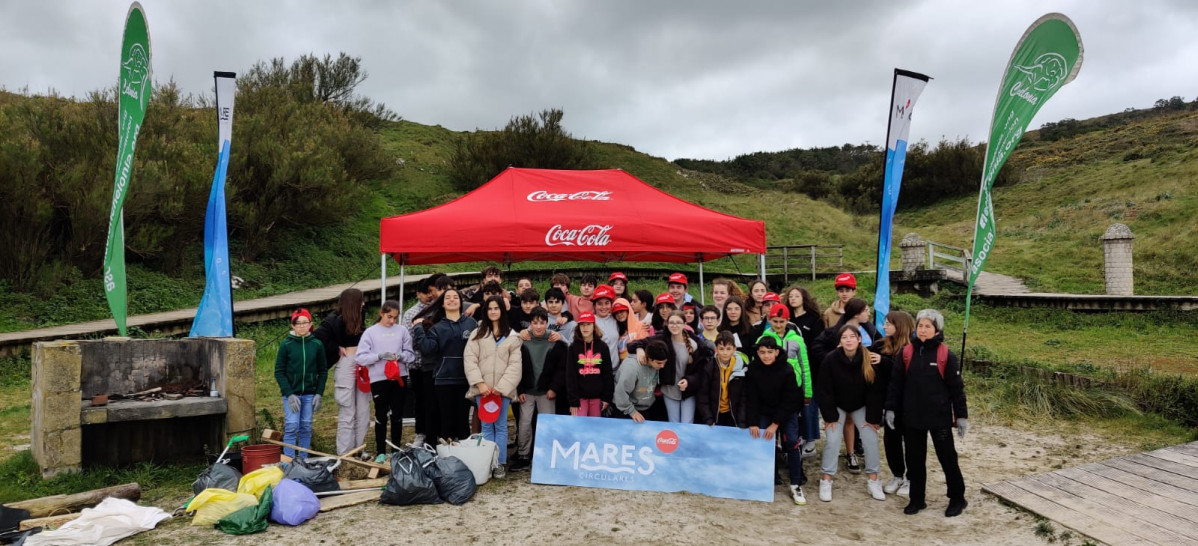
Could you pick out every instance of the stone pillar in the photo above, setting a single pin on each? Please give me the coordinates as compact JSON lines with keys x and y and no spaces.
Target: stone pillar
{"x":915,"y":252}
{"x":57,"y":435}
{"x":236,"y":385}
{"x":1116,"y":244}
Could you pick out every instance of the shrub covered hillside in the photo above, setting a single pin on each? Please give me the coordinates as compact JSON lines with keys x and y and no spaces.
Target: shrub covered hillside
{"x":315,"y":166}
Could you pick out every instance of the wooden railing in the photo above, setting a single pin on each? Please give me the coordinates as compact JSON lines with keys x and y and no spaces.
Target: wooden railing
{"x":942,"y":256}
{"x":804,"y":259}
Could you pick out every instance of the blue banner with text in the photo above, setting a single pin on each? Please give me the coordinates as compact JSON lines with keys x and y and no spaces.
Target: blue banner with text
{"x":622,"y":454}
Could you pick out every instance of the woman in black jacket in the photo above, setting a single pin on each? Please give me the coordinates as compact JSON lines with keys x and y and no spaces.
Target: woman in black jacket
{"x":848,"y":387}
{"x":927,"y":389}
{"x":683,"y":376}
{"x":446,"y":339}
{"x":805,"y":315}
{"x":856,"y":313}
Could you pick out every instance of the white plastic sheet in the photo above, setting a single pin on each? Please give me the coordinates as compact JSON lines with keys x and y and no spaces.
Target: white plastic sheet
{"x":110,"y":521}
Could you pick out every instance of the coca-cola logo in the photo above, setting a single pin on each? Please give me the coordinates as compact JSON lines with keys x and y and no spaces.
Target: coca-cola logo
{"x":589,"y":195}
{"x":592,"y":235}
{"x":667,"y":441}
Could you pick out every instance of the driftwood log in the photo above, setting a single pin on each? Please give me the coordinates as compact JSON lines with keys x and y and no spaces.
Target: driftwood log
{"x":349,"y":499}
{"x":52,"y":521}
{"x":62,"y":504}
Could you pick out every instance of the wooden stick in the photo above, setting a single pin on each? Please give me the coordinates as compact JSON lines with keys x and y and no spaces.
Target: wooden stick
{"x":341,"y":501}
{"x":52,"y":521}
{"x":268,"y":436}
{"x":363,"y":484}
{"x":345,"y":491}
{"x":57,"y":504}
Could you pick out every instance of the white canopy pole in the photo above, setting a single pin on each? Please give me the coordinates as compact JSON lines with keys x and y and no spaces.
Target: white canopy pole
{"x":702,"y":290}
{"x":383,"y":278}
{"x":401,"y":283}
{"x":761,"y":266}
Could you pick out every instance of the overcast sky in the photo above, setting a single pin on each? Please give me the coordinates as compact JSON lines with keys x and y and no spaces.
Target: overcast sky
{"x":699,"y":79}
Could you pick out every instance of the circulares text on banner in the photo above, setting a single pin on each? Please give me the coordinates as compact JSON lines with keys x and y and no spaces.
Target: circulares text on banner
{"x":1048,"y":56}
{"x":214,"y":316}
{"x":905,"y":91}
{"x":609,"y":453}
{"x":133,"y":95}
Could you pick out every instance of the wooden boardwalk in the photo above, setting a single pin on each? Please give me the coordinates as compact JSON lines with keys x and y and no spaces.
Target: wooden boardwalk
{"x":1146,"y":498}
{"x":179,"y":321}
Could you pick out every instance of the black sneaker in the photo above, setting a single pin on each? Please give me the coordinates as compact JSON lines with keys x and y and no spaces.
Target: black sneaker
{"x":518,"y":464}
{"x":955,"y":507}
{"x":914,"y":507}
{"x":854,"y":464}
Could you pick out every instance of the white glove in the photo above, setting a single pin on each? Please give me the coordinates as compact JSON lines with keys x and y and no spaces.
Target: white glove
{"x":962,"y":426}
{"x":293,"y":402}
{"x":315,"y":403}
{"x":890,"y":419}
{"x":388,"y":356}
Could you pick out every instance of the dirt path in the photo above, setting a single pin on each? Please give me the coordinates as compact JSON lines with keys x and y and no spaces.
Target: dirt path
{"x":516,"y":511}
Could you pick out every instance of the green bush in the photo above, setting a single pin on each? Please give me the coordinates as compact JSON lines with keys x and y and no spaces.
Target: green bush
{"x":527,"y":141}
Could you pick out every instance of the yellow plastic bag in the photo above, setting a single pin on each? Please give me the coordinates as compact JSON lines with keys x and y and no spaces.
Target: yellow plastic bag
{"x":213,"y":504}
{"x":255,"y":482}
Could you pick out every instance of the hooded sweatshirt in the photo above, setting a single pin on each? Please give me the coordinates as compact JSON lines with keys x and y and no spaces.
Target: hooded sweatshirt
{"x":842,"y":385}
{"x":379,"y":339}
{"x":634,"y":386}
{"x":771,"y":392}
{"x":446,"y":343}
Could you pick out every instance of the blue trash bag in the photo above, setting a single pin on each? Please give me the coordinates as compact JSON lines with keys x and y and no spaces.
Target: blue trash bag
{"x":293,"y":503}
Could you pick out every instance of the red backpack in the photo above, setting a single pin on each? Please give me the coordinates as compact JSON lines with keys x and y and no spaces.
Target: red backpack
{"x":941,"y":357}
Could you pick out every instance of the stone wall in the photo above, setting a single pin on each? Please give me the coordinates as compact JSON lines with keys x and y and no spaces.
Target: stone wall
{"x":67,"y":374}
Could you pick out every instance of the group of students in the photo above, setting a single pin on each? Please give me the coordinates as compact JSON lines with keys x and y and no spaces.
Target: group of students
{"x":771,"y":363}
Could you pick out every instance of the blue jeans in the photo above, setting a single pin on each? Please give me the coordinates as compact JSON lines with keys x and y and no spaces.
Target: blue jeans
{"x":792,"y":443}
{"x":680,"y":411}
{"x":297,"y":425}
{"x":811,"y":421}
{"x":497,"y":431}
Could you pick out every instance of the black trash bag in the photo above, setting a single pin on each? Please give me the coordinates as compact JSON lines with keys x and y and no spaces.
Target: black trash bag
{"x":218,"y":476}
{"x":409,"y":483}
{"x":455,"y":482}
{"x":316,"y":475}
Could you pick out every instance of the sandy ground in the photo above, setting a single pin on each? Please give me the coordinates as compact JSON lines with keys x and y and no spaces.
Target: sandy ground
{"x":513,"y":510}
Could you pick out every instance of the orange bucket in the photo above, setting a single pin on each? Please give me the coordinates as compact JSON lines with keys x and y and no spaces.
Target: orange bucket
{"x":258,"y":456}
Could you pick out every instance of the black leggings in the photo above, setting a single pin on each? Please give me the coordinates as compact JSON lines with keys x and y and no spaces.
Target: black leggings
{"x":892,"y":440}
{"x":453,"y":412}
{"x":425,"y":399}
{"x":388,"y":406}
{"x":946,"y":452}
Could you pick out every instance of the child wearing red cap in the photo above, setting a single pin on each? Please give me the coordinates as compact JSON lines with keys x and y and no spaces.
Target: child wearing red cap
{"x":846,"y":289}
{"x":676,"y":286}
{"x":301,"y":372}
{"x":589,"y":378}
{"x":619,"y":283}
{"x":663,"y":305}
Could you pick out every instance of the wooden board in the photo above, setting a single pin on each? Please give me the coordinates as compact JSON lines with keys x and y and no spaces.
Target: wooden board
{"x":349,"y":499}
{"x":1137,"y":493}
{"x":1097,"y":528}
{"x":1145,"y":498}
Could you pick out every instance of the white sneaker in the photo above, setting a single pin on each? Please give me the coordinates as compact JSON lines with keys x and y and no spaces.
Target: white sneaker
{"x":893,"y":485}
{"x":875,"y":489}
{"x":825,"y":490}
{"x":905,"y":489}
{"x":499,"y":472}
{"x":796,"y":493}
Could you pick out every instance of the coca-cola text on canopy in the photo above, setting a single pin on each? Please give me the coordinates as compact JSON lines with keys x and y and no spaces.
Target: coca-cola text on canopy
{"x":586,"y":195}
{"x":591,"y":235}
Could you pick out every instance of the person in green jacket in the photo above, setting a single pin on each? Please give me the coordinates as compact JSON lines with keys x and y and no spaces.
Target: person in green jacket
{"x":792,"y":344}
{"x":301,"y":371}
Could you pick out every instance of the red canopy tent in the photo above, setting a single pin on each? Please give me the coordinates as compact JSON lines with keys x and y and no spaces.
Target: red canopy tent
{"x":561,"y":215}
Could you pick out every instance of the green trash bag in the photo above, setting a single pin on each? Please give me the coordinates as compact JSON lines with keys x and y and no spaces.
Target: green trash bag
{"x":248,"y":520}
